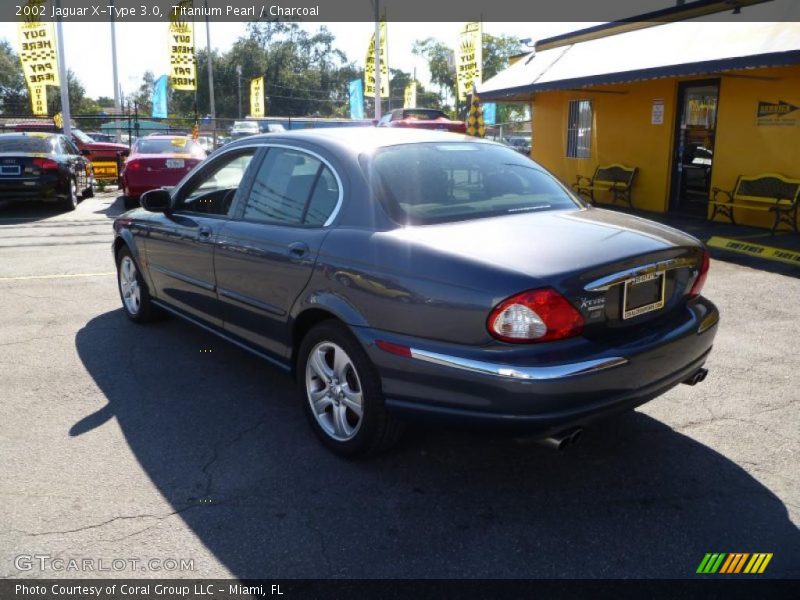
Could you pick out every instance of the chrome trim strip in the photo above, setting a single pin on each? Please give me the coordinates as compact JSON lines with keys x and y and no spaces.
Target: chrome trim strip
{"x":178,"y":313}
{"x":519,"y":373}
{"x":184,"y":278}
{"x":604,"y":283}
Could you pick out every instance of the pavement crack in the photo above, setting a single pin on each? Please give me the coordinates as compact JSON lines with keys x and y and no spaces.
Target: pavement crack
{"x":219,"y":449}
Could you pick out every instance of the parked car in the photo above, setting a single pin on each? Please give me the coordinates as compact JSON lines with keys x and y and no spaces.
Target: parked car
{"x":242,"y":129}
{"x":94,"y":150}
{"x":520,"y":143}
{"x":421,"y":118}
{"x":157,"y":161}
{"x":43,"y":166}
{"x":417,"y":273}
{"x":99,"y":136}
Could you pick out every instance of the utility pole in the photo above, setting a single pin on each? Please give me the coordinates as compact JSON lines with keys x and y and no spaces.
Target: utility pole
{"x":62,"y":75}
{"x":211,"y":80}
{"x":239,"y":86}
{"x":377,"y":61}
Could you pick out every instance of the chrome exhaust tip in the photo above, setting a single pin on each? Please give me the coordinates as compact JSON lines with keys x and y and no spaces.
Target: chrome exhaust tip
{"x":696,"y":377}
{"x":560,"y":441}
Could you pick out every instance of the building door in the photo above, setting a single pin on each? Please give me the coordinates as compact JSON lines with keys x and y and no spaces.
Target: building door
{"x":695,"y":133}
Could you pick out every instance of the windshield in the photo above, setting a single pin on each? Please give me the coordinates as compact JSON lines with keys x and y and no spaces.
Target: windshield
{"x":167,"y":146}
{"x":437,"y":182}
{"x":82,"y":137}
{"x":26,"y":144}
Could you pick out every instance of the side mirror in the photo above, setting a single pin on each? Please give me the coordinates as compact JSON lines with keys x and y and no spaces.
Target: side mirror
{"x":156,"y":201}
{"x":124,"y":153}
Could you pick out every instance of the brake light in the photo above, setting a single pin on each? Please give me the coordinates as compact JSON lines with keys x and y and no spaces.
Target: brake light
{"x":697,"y":287}
{"x":133,"y":165}
{"x":535,"y":316}
{"x":45,"y":164}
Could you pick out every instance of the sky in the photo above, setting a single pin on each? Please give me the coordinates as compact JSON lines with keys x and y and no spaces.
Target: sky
{"x":143,"y":46}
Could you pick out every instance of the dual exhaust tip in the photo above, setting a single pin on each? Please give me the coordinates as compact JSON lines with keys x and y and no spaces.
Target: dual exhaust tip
{"x":696,"y":377}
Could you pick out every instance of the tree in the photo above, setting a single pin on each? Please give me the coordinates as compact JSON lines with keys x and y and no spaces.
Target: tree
{"x":440,"y":59}
{"x":14,"y":97}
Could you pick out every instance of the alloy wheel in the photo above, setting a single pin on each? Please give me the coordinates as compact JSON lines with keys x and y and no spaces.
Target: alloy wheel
{"x":334,"y":391}
{"x":129,"y":285}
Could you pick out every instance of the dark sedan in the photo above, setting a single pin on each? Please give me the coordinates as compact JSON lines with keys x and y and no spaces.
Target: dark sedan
{"x":43,"y":166}
{"x":404,"y":273}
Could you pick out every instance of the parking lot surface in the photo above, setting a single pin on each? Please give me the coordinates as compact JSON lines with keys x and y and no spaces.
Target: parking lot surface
{"x":130,"y":442}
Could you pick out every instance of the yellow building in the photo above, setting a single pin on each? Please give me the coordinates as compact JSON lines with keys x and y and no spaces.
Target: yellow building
{"x":691,"y":105}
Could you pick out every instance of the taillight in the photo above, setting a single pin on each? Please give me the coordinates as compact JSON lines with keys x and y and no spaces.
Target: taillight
{"x":45,"y":164}
{"x":133,"y":165}
{"x":697,"y":287}
{"x":535,"y":316}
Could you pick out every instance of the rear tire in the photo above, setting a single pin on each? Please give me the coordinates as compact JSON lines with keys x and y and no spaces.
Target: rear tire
{"x":133,"y":292}
{"x":71,"y":201}
{"x":338,"y":381}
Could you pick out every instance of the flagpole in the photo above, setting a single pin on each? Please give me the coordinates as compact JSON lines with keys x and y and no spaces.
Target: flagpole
{"x":377,"y":61}
{"x":62,"y":75}
{"x":211,"y":81}
{"x":114,"y":71}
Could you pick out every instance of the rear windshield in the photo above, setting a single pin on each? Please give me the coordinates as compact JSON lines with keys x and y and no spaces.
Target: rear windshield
{"x":167,"y":146}
{"x":422,"y":114}
{"x":437,"y":182}
{"x":26,"y":144}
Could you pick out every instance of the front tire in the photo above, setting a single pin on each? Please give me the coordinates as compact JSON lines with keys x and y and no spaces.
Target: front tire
{"x":136,"y":301}
{"x":342,"y":395}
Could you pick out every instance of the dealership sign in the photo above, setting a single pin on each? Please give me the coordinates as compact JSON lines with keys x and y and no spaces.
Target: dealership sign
{"x":776,"y":113}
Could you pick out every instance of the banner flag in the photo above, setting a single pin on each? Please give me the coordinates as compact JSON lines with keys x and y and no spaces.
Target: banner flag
{"x":356,"y":99}
{"x":410,"y":95}
{"x":37,"y":50}
{"x":469,"y":59}
{"x":38,"y":94}
{"x":159,"y":98}
{"x":369,"y":69}
{"x":257,"y":97}
{"x":182,"y":60}
{"x":490,"y":113}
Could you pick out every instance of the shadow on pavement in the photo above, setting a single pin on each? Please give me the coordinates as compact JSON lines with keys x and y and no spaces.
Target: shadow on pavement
{"x":221,"y":436}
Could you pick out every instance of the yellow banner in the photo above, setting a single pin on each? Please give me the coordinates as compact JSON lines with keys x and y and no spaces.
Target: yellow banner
{"x":38,"y":94}
{"x":257,"y":97}
{"x":369,"y":70}
{"x":182,"y":62}
{"x":37,"y":53}
{"x":469,"y":59}
{"x":410,"y":95}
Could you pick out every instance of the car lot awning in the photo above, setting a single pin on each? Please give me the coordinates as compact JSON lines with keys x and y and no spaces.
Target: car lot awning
{"x":674,"y":49}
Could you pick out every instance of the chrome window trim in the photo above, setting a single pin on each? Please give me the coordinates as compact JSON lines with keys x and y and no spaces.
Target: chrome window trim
{"x":604,"y":283}
{"x":324,"y":161}
{"x":519,"y":373}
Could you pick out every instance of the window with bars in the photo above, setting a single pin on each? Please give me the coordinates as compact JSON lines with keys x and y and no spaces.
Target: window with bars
{"x":579,"y":129}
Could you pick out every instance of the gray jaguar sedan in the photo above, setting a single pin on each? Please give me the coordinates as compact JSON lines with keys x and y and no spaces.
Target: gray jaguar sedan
{"x":408,"y":273}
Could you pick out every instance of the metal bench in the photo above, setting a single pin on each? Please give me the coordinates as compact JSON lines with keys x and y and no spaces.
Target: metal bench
{"x":616,"y":178}
{"x":767,"y":192}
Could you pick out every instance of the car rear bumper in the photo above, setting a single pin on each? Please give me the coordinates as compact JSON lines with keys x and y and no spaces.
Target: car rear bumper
{"x":31,"y":189}
{"x":541,"y":389}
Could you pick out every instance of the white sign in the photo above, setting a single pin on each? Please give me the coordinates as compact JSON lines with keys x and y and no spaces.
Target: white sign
{"x":657,"y":114}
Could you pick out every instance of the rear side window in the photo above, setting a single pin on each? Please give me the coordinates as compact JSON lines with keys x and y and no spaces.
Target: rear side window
{"x":292,"y":188}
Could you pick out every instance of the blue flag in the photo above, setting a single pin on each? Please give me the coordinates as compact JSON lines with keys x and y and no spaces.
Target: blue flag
{"x":160,"y":98}
{"x":356,"y":99}
{"x":489,"y":113}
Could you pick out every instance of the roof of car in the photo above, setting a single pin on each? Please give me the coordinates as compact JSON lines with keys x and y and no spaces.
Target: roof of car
{"x":360,"y":139}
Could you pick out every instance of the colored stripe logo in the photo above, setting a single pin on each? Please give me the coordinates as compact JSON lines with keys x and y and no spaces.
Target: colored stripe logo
{"x":734,"y":562}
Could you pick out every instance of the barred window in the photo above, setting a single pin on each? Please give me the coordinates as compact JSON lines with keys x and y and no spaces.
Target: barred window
{"x":579,"y":129}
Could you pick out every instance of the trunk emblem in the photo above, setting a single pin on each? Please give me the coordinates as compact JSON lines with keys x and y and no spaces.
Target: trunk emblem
{"x":591,"y":304}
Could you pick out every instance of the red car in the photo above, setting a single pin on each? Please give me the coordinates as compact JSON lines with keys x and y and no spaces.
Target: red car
{"x":421,"y":118}
{"x":158,"y":161}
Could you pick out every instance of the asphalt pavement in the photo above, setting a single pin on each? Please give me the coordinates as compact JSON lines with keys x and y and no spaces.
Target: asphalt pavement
{"x":132,"y":443}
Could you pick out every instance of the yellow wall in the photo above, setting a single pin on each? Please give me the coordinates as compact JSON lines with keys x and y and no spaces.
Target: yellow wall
{"x":622,"y":133}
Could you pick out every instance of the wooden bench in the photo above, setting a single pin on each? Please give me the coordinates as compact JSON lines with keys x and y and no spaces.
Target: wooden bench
{"x":767,"y":192}
{"x":616,"y":178}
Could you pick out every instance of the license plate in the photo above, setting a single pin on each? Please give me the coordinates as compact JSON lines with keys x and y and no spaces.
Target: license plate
{"x":175,"y":163}
{"x":643,"y":294}
{"x":9,"y":170}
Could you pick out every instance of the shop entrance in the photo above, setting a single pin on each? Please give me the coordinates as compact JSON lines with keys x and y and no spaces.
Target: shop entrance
{"x":694,"y":146}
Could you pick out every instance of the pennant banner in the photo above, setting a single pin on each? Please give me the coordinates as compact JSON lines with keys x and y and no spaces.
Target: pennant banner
{"x":182,"y":61}
{"x":475,"y":118}
{"x":469,"y":59}
{"x":356,"y":99}
{"x":369,"y":69}
{"x":159,"y":98}
{"x":257,"y":97}
{"x":410,"y":95}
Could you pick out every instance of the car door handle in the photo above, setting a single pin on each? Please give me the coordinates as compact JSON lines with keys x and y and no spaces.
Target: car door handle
{"x":203,"y":233}
{"x":298,"y":249}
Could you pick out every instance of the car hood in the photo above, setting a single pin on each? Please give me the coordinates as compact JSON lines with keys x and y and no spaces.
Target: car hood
{"x":548,"y":243}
